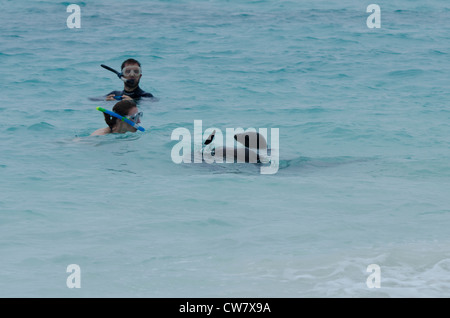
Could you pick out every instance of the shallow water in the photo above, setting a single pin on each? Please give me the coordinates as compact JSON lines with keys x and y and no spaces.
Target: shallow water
{"x":364,"y":150}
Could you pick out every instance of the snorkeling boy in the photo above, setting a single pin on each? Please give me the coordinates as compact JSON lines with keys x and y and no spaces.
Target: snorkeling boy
{"x":132,"y":72}
{"x":125,"y":108}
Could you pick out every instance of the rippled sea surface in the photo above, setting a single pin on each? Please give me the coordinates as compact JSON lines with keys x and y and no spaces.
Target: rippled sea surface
{"x":364,"y":176}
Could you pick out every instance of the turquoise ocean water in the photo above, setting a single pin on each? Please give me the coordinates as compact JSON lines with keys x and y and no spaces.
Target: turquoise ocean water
{"x":364,"y":178}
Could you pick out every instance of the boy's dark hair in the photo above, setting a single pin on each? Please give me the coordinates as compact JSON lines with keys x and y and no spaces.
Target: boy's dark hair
{"x":130,"y":61}
{"x":120,"y":108}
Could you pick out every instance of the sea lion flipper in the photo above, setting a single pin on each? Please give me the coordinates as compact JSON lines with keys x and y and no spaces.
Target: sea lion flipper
{"x":210,"y":138}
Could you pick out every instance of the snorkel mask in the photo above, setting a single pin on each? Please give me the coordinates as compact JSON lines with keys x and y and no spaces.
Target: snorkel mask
{"x":135,"y":117}
{"x":126,"y":71}
{"x":131,"y":70}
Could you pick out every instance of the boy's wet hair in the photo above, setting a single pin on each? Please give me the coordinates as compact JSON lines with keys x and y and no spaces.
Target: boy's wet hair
{"x":120,"y":108}
{"x":130,"y":61}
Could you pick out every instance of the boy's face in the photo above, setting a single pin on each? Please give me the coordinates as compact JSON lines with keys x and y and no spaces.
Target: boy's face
{"x":132,"y":72}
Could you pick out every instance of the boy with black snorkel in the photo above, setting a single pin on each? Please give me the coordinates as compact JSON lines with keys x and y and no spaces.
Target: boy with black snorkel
{"x":130,"y":74}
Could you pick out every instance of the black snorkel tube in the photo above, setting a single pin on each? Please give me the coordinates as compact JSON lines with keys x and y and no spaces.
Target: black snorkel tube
{"x":120,"y":75}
